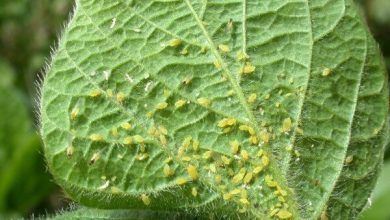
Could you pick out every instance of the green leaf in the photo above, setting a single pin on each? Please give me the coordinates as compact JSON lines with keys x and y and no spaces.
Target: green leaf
{"x":286,"y":102}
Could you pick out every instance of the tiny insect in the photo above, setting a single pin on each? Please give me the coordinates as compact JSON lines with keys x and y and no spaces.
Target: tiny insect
{"x":235,"y":146}
{"x":145,"y":199}
{"x":181,"y":181}
{"x":120,"y":97}
{"x":96,"y":137}
{"x":126,"y":125}
{"x":168,"y":171}
{"x":224,"y":48}
{"x":193,"y":172}
{"x":230,"y":25}
{"x":128,"y":140}
{"x":162,"y":105}
{"x":95,"y":93}
{"x":286,"y":126}
{"x":180,"y":103}
{"x":138,"y":138}
{"x":247,"y":69}
{"x":194,"y":191}
{"x":95,"y":157}
{"x":326,"y":72}
{"x":205,"y":102}
{"x":69,"y":151}
{"x":175,"y":42}
{"x":74,"y":113}
{"x":245,"y":155}
{"x":113,"y":22}
{"x":252,"y":98}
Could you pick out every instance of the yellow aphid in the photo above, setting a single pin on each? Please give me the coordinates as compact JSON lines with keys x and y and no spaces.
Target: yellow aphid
{"x":297,"y":154}
{"x":95,"y":93}
{"x":180,"y":103}
{"x":257,"y":170}
{"x":265,"y":160}
{"x":326,"y":72}
{"x":163,"y":140}
{"x":289,"y":148}
{"x":110,"y":93}
{"x":225,"y":160}
{"x":248,"y":68}
{"x":114,"y":132}
{"x":299,"y":130}
{"x":186,"y":158}
{"x":349,"y":159}
{"x":265,"y":136}
{"x":184,"y":51}
{"x":237,"y":178}
{"x":115,"y":190}
{"x":153,"y":131}
{"x":96,"y":137}
{"x":168,"y":171}
{"x":142,"y":156}
{"x":226,"y":130}
{"x":244,"y":201}
{"x":120,"y":97}
{"x":227,"y":196}
{"x":229,"y":25}
{"x":241,"y":55}
{"x":69,"y":151}
{"x":161,"y":105}
{"x":74,"y":113}
{"x":194,"y":191}
{"x":163,"y":130}
{"x":175,"y":42}
{"x":126,"y":126}
{"x":269,"y":181}
{"x":186,"y":142}
{"x":248,"y":177}
{"x":193,"y":172}
{"x":260,"y":153}
{"x":224,"y":48}
{"x":95,"y":157}
{"x":213,"y":168}
{"x":145,"y":199}
{"x":217,"y":64}
{"x":225,"y":122}
{"x":253,"y":139}
{"x":281,"y":199}
{"x":284,"y":214}
{"x":195,"y":145}
{"x":231,"y":92}
{"x":181,"y":181}
{"x":252,"y":98}
{"x":166,"y":93}
{"x":235,"y":191}
{"x":235,"y":146}
{"x":138,"y":139}
{"x":149,"y":114}
{"x":251,"y":131}
{"x":128,"y":140}
{"x":181,"y":151}
{"x":205,"y":102}
{"x":245,"y":155}
{"x":207,"y":155}
{"x":273,"y":211}
{"x":218,"y":179}
{"x":286,"y":126}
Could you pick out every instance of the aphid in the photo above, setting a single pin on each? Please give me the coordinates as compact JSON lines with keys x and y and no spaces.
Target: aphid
{"x":238,"y":177}
{"x":95,"y":93}
{"x":299,"y":130}
{"x":168,"y":160}
{"x":181,"y":152}
{"x":281,"y":199}
{"x":69,"y":151}
{"x":142,"y":156}
{"x":195,"y":145}
{"x":184,"y":51}
{"x":248,"y":178}
{"x":186,"y":81}
{"x":148,"y":86}
{"x":253,"y":139}
{"x":265,"y":160}
{"x":163,"y":140}
{"x":120,"y":97}
{"x":248,"y":68}
{"x":244,"y":201}
{"x":218,"y":179}
{"x":138,"y":138}
{"x":284,"y":214}
{"x":95,"y":157}
{"x":193,"y":172}
{"x":186,"y":142}
{"x":74,"y":114}
{"x":286,"y":126}
{"x":277,"y":104}
{"x":161,"y":105}
{"x":227,"y":196}
{"x":126,"y":125}
{"x":205,"y":102}
{"x":348,"y":159}
{"x":224,"y":48}
{"x":252,"y":98}
{"x":265,"y":136}
{"x":269,"y":181}
{"x":213,"y":168}
{"x":105,"y":185}
{"x":204,"y":49}
{"x":180,"y":103}
{"x":96,"y":137}
{"x":260,"y":153}
{"x":168,"y":171}
{"x":145,"y":199}
{"x":175,"y":42}
{"x":115,"y":190}
{"x":166,"y":93}
{"x":235,"y":146}
{"x":266,"y":97}
{"x":110,"y":93}
{"x":186,"y":158}
{"x":289,"y":148}
{"x":225,"y":160}
{"x":245,"y":155}
{"x":107,"y":75}
{"x":326,"y":72}
{"x":113,"y":23}
{"x":241,"y":56}
{"x":181,"y":181}
{"x":273,"y":211}
{"x":207,"y":155}
{"x":149,"y":114}
{"x":235,"y":191}
{"x":217,"y":64}
{"x":194,"y":191}
{"x":225,"y":122}
{"x":163,"y":130}
{"x":257,"y":170}
{"x":128,"y":140}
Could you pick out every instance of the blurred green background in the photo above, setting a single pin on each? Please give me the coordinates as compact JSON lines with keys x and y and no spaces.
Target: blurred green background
{"x":28,"y":29}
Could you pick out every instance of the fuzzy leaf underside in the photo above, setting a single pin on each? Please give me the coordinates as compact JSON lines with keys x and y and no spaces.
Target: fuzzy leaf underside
{"x":134,"y":83}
